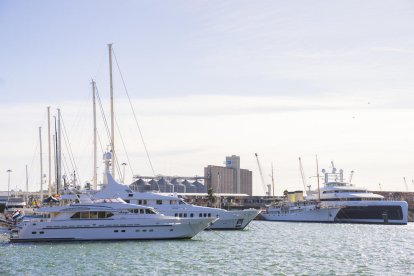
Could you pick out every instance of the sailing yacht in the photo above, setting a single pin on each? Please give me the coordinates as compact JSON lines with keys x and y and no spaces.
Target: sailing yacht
{"x":358,"y":204}
{"x":105,"y":219}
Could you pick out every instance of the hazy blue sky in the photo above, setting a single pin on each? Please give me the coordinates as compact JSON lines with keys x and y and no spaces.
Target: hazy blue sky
{"x":215,"y":78}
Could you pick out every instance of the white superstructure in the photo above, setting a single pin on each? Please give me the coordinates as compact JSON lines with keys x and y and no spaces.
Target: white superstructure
{"x":171,"y":205}
{"x":300,"y":212}
{"x":359,"y":205}
{"x":104,"y":219}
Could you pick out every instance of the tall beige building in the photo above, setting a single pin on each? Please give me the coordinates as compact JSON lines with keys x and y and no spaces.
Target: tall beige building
{"x":229,"y":179}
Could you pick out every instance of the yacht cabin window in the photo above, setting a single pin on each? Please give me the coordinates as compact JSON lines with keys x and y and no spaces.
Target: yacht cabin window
{"x":91,"y":215}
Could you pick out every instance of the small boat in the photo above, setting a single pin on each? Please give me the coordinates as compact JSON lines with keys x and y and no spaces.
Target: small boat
{"x":300,"y":212}
{"x":104,"y":219}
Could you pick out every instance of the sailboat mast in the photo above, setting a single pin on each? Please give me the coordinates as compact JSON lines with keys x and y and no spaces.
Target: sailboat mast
{"x":56,"y":157}
{"x":95,"y":176}
{"x":41,"y":164}
{"x":27,"y":187}
{"x":111,"y":90}
{"x":59,"y":153}
{"x":317,"y":176}
{"x":50,"y":151}
{"x":273,"y":183}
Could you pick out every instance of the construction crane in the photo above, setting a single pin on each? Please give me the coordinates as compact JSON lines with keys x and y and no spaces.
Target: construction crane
{"x":302,"y":173}
{"x":261,"y":175}
{"x":273,"y":182}
{"x":406,"y":185}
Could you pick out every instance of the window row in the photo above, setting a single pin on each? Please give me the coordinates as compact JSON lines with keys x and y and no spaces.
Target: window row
{"x":192,"y":215}
{"x":91,"y":215}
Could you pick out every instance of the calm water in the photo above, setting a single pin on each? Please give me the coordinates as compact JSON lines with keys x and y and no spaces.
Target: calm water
{"x":265,"y":248}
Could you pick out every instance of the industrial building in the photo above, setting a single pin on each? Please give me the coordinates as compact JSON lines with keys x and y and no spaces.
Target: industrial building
{"x":229,"y":179}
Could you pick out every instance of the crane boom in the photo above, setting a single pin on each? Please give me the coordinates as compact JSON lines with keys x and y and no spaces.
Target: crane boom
{"x":405,"y":182}
{"x":302,"y":173}
{"x":261,"y":174}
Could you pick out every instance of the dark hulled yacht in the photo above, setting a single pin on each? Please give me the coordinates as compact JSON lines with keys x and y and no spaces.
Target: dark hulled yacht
{"x":358,"y":204}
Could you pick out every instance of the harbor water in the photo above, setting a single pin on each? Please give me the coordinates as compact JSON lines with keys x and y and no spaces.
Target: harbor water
{"x":263,"y":248}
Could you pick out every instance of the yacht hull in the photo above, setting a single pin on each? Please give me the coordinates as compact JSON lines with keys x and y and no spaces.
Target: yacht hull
{"x":226,"y":220}
{"x":314,"y":215}
{"x":374,"y":212}
{"x":90,"y":230}
{"x":234,"y":220}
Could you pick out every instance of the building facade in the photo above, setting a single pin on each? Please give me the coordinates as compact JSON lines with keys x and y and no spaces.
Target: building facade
{"x":229,"y":179}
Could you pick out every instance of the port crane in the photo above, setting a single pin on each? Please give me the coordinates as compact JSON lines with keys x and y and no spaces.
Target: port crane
{"x":302,"y":173}
{"x":262,"y":176}
{"x":406,"y":185}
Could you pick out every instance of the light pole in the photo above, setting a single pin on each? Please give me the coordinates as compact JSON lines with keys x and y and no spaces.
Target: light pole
{"x":123,"y":173}
{"x":8,"y":183}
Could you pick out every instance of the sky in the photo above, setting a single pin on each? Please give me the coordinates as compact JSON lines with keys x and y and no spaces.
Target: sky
{"x":208,"y":79}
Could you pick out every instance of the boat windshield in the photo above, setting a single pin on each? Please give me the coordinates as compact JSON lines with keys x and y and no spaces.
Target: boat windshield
{"x":110,"y":200}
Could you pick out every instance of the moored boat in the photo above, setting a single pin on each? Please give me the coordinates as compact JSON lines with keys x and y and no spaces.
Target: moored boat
{"x":171,"y":205}
{"x":358,"y":204}
{"x":300,"y":212}
{"x":104,"y":219}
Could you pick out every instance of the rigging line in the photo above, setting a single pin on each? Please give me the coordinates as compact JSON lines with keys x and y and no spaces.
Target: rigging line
{"x":99,"y":141}
{"x":133,"y":112}
{"x":69,"y":148}
{"x":102,"y":113}
{"x":35,"y":153}
{"x":118,"y":168}
{"x":123,"y":144}
{"x":68,"y":172}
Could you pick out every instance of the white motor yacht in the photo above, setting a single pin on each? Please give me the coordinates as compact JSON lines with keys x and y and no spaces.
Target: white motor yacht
{"x":358,"y":204}
{"x":171,"y":205}
{"x":300,"y":212}
{"x":104,"y":219}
